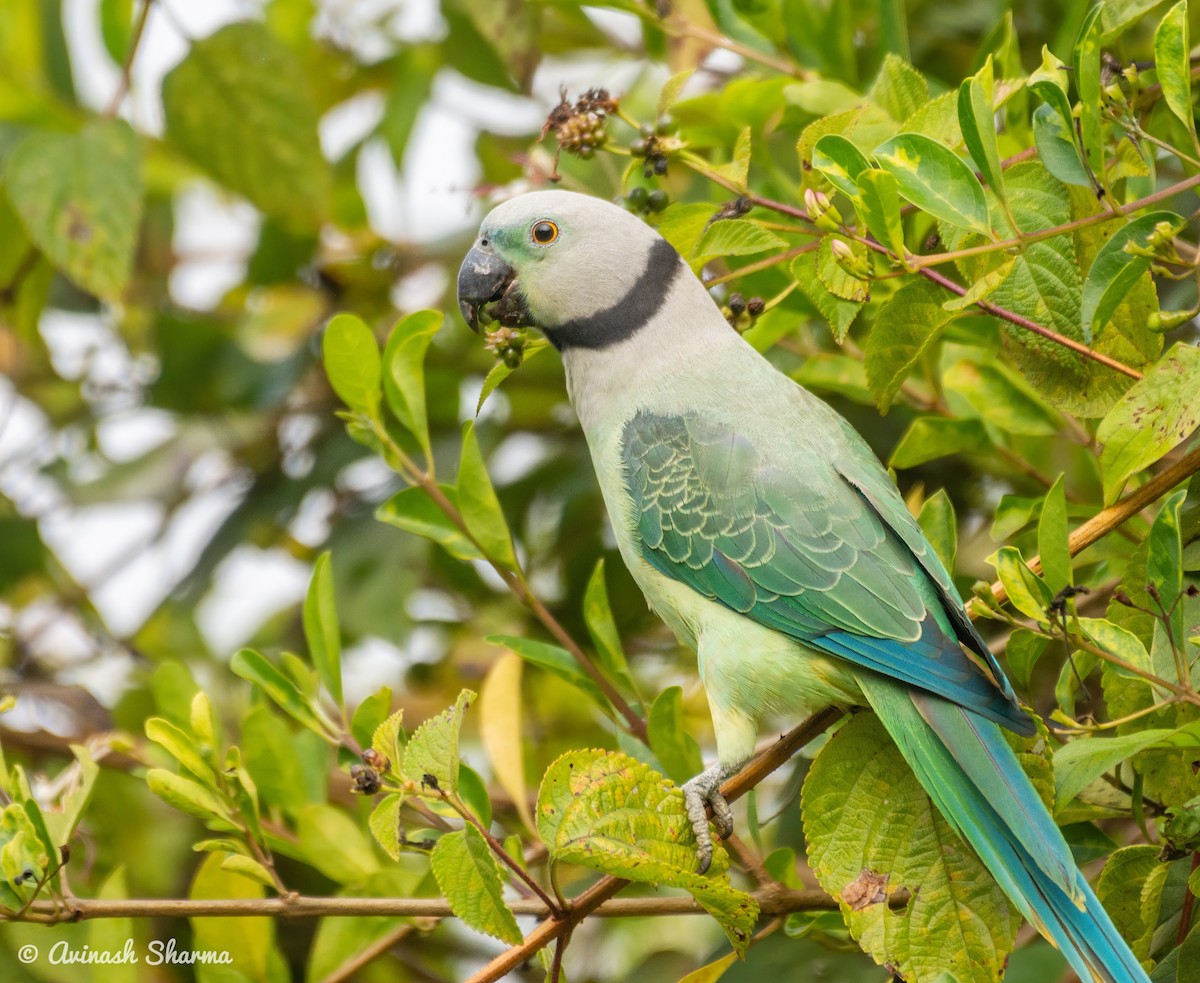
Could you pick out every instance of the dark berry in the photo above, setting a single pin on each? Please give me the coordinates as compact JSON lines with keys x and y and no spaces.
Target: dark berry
{"x":657,"y":201}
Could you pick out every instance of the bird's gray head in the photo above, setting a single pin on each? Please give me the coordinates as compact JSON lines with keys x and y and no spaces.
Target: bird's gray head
{"x":586,"y":272}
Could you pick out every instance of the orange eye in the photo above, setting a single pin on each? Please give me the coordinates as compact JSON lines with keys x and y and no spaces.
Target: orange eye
{"x":544,"y":233}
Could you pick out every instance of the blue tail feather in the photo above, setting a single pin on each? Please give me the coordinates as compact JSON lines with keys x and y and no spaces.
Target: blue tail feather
{"x":969,"y":770}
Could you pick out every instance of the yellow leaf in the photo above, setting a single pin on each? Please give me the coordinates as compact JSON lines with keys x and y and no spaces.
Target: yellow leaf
{"x":500,"y":729}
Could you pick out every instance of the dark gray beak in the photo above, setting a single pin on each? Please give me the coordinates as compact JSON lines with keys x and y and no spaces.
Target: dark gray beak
{"x":482,"y":279}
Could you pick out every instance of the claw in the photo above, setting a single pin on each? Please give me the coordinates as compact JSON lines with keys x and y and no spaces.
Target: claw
{"x":700,"y":793}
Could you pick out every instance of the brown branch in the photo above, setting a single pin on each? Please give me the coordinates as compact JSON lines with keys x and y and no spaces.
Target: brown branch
{"x":1104,"y":522}
{"x":514,"y":580}
{"x":127,"y":69}
{"x":774,"y":900}
{"x":503,"y":855}
{"x":594,"y":897}
{"x":996,"y":310}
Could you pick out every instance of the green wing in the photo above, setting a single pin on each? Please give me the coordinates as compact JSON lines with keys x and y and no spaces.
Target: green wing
{"x":826,"y":554}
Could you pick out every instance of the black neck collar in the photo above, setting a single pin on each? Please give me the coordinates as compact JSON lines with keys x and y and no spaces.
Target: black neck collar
{"x":629,"y":314}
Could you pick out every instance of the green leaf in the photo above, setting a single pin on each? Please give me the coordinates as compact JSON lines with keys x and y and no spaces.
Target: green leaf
{"x":864,"y":125}
{"x":352,"y":363}
{"x":182,"y":747}
{"x":321,"y":628}
{"x":1056,"y":146}
{"x":239,"y":864}
{"x":938,"y":522}
{"x":1000,"y":396}
{"x":431,"y":755}
{"x":838,"y":312}
{"x":1085,"y":57}
{"x":933,"y":437}
{"x":840,"y":161}
{"x":250,"y":665}
{"x":479,"y":505}
{"x":879,"y":196}
{"x":899,"y":89}
{"x":669,"y":93}
{"x":1130,"y":888}
{"x":404,"y":371}
{"x":1117,"y":16}
{"x":1172,"y":63}
{"x":737,"y":171}
{"x":676,"y":749}
{"x":239,"y":106}
{"x":384,"y":824}
{"x":334,"y":844}
{"x":1085,"y":759}
{"x":735,"y":237}
{"x":1023,"y":650}
{"x":414,"y":511}
{"x":62,"y":824}
{"x":600,"y":624}
{"x":983,"y":287}
{"x":472,"y":790}
{"x":1045,"y":285}
{"x":389,"y":738}
{"x":865,"y":813}
{"x":1156,"y":414}
{"x":682,"y":224}
{"x":977,"y":118}
{"x":907,"y":325}
{"x":251,"y":938}
{"x":835,"y":277}
{"x":1027,"y":592}
{"x":1117,"y":267}
{"x":606,"y":811}
{"x":79,"y":196}
{"x":189,"y":796}
{"x":116,"y":27}
{"x":935,"y":179}
{"x":469,"y":878}
{"x":501,"y":370}
{"x":370,"y":715}
{"x":1119,"y":642}
{"x":1164,"y":570}
{"x":1052,"y":539}
{"x":556,"y":660}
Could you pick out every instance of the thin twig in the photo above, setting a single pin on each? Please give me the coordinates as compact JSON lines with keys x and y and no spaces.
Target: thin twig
{"x":771,"y":900}
{"x":1104,"y":522}
{"x":515,"y":581}
{"x":127,"y":69}
{"x":503,"y":855}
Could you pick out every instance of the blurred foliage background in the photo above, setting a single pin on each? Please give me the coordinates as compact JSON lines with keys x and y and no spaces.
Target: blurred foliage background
{"x":187,"y":198}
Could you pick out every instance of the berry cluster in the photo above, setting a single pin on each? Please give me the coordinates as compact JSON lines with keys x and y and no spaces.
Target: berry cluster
{"x":508,"y":345}
{"x":641,"y":201}
{"x":742,"y":313}
{"x":580,"y":128}
{"x":653,"y":147}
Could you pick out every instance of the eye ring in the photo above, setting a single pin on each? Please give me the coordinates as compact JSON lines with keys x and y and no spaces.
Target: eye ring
{"x":543,"y":232}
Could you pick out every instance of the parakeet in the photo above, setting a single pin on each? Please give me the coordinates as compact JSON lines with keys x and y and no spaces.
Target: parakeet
{"x":765,"y":532}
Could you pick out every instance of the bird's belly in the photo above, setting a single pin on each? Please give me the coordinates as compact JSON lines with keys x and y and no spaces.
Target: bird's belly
{"x":751,"y":674}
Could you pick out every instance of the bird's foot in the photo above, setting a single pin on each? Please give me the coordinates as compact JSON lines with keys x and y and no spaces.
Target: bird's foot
{"x":705,"y":790}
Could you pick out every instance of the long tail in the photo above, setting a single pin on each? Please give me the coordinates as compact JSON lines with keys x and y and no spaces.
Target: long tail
{"x":967,"y":767}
